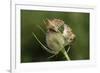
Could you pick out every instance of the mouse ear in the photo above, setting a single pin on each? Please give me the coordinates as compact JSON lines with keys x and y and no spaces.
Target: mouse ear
{"x":67,"y":28}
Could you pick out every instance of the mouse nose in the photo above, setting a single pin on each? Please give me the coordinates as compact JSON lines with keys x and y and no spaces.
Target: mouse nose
{"x":72,"y":38}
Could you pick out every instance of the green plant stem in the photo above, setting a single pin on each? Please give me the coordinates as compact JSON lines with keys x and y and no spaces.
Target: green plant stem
{"x":65,"y":54}
{"x":68,"y":49}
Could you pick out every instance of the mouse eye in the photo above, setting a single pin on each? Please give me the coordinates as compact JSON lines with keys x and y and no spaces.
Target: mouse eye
{"x":71,"y":39}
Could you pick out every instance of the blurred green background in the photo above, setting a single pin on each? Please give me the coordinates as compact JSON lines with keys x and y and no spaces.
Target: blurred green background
{"x":31,"y":50}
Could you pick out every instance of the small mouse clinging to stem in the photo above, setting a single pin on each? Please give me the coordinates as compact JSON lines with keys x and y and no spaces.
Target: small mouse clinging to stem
{"x":56,"y":40}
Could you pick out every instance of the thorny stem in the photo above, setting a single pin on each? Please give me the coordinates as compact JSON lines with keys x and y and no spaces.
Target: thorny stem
{"x":68,"y":49}
{"x":65,"y":54}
